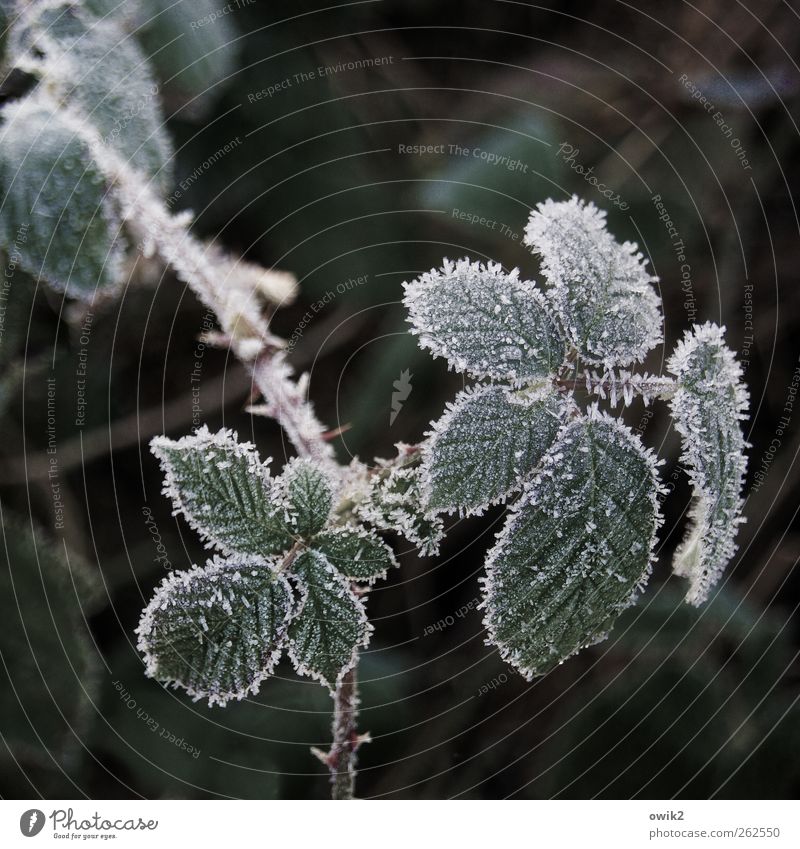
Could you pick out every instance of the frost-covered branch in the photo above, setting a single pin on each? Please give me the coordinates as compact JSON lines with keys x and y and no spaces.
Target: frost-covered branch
{"x":234,"y":291}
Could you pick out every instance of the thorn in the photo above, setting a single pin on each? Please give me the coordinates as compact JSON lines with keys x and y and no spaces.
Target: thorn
{"x":332,"y":434}
{"x":366,"y":737}
{"x":322,"y":757}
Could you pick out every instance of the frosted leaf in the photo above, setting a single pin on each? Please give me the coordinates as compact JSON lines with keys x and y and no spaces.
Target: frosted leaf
{"x":395,"y":503}
{"x":708,"y":406}
{"x":306,"y":490}
{"x":332,"y":625}
{"x":576,"y":548}
{"x":485,"y":322}
{"x":224,"y":492}
{"x":486,"y":444}
{"x":192,"y":60}
{"x":55,"y":216}
{"x":356,"y":553}
{"x":601,"y":289}
{"x":96,"y":68}
{"x":216,"y":631}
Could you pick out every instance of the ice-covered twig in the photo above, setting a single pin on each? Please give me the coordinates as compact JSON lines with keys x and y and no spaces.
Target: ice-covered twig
{"x":234,"y":291}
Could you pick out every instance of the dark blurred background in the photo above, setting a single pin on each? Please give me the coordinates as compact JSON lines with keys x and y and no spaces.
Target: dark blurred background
{"x":317,"y":180}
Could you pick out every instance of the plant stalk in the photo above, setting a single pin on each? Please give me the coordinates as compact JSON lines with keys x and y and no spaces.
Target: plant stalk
{"x":342,"y":758}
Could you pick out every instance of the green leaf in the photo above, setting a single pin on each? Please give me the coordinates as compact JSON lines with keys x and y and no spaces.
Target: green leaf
{"x":48,"y":662}
{"x":485,"y":322}
{"x":216,"y":631}
{"x":576,"y":548}
{"x":307,"y":492}
{"x":332,"y":625}
{"x":356,"y":553}
{"x":97,"y":68}
{"x":191,"y":43}
{"x":708,"y":406}
{"x":601,"y":289}
{"x":395,"y":503}
{"x":224,"y":491}
{"x":485,"y":445}
{"x":55,"y":215}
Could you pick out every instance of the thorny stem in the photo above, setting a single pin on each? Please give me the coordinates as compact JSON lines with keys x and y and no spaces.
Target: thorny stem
{"x":244,"y":330}
{"x":247,"y":333}
{"x":342,"y":757}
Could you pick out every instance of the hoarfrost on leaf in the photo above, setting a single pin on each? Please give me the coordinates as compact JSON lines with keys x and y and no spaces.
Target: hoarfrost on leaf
{"x":488,"y":441}
{"x":308,"y":494}
{"x":601,"y":289}
{"x":358,"y":554}
{"x":324,"y":638}
{"x":55,"y":195}
{"x":395,"y":503}
{"x":708,"y":405}
{"x":224,"y":491}
{"x":216,"y":631}
{"x":485,"y":322}
{"x":576,"y":548}
{"x":96,"y":68}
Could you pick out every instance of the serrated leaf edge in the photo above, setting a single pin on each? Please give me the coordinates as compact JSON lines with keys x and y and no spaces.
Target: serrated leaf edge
{"x":160,"y":601}
{"x":441,"y":425}
{"x":299,"y":666}
{"x":200,"y":439}
{"x":549,"y":467}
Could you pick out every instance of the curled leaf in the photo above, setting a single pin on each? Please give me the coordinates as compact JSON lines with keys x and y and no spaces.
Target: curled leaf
{"x":709,"y":405}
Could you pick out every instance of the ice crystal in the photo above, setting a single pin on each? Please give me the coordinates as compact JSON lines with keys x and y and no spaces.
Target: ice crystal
{"x":395,"y":503}
{"x":356,"y":553}
{"x":217,"y":631}
{"x":601,"y":289}
{"x":488,"y":441}
{"x":324,"y":638}
{"x":709,"y":404}
{"x":485,"y":322}
{"x":224,"y":491}
{"x":307,"y":492}
{"x":576,"y":548}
